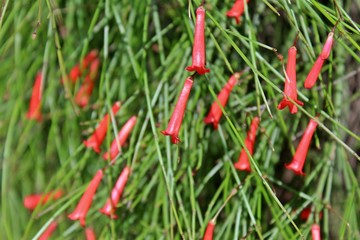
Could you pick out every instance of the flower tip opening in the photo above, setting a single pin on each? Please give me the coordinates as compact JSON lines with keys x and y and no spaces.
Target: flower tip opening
{"x":292,"y":107}
{"x":35,"y":115}
{"x":237,"y":10}
{"x":243,"y":163}
{"x":174,"y":138}
{"x":309,"y":84}
{"x":295,"y":168}
{"x":199,"y":69}
{"x":107,"y":156}
{"x":108,"y":211}
{"x":91,"y":143}
{"x":232,"y":14}
{"x":82,"y":101}
{"x":210,"y":119}
{"x":77,"y":216}
{"x":242,"y":166}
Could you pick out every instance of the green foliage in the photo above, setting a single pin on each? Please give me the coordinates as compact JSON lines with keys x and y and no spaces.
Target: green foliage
{"x":174,"y":190}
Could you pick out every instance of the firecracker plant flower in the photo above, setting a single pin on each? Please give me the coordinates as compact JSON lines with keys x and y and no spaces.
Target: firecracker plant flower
{"x":243,"y":162}
{"x":120,"y":139}
{"x":110,"y":206}
{"x":305,"y":213}
{"x":314,"y":73}
{"x":215,"y":112}
{"x":174,"y":125}
{"x":290,"y":91}
{"x":77,"y":70}
{"x":298,"y":161}
{"x":316,"y":69}
{"x":32,"y":201}
{"x":34,"y":111}
{"x":209,"y":232}
{"x":237,"y":10}
{"x":49,"y":231}
{"x":315,"y":232}
{"x":99,"y":134}
{"x":199,"y":50}
{"x":84,"y":204}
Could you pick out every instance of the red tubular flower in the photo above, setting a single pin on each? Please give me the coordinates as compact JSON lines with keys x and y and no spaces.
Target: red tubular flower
{"x":243,"y":162}
{"x":298,"y":161}
{"x":178,"y":114}
{"x":315,"y":232}
{"x":314,"y":73}
{"x":110,"y":205}
{"x":77,"y":71}
{"x":199,"y":54}
{"x":84,"y":204}
{"x":237,"y":10}
{"x":34,"y":111}
{"x":209,"y":232}
{"x":290,"y":83}
{"x":47,"y":233}
{"x":98,"y":136}
{"x":305,"y":213}
{"x":121,"y":137}
{"x":94,"y":67}
{"x":32,"y":201}
{"x":83,"y":95}
{"x":89,"y":58}
{"x":215,"y":112}
{"x":90,"y":234}
{"x":316,"y":69}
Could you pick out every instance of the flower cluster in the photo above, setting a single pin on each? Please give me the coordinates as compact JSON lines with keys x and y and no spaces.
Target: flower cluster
{"x":90,"y":65}
{"x":109,"y":208}
{"x":198,"y":65}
